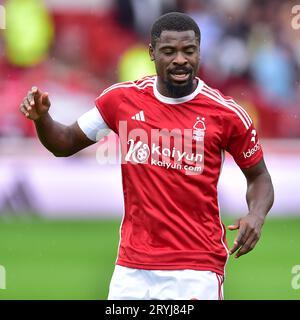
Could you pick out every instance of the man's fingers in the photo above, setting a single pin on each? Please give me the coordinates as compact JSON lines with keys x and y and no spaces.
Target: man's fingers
{"x":247,"y":246}
{"x":233,"y":227}
{"x":236,"y":245}
{"x":242,"y":235}
{"x":30,"y":98}
{"x":36,"y":94}
{"x":240,"y":239}
{"x":26,"y":104}
{"x":35,"y":104}
{"x":237,"y":242}
{"x":248,"y":235}
{"x":34,"y":89}
{"x":45,"y":99}
{"x":234,"y":248}
{"x":243,"y":250}
{"x":24,"y":110}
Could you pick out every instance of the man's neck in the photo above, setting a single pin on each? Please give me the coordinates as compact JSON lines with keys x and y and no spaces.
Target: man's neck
{"x":174,"y":92}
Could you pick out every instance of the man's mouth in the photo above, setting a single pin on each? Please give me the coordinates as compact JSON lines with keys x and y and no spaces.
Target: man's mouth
{"x":180,"y":75}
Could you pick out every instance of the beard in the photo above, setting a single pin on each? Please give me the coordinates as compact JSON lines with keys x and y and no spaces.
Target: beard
{"x":178,"y":91}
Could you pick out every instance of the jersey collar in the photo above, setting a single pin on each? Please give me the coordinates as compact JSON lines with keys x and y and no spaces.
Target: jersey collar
{"x":169,"y":100}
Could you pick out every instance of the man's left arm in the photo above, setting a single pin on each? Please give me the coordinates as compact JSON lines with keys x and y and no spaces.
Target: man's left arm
{"x":260,"y":197}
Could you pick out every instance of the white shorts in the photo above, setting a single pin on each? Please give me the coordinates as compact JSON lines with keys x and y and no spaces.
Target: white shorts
{"x":140,"y":284}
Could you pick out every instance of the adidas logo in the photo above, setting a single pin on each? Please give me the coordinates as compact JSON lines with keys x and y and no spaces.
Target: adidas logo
{"x":139,"y":116}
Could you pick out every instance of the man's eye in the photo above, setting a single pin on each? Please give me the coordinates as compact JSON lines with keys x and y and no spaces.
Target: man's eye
{"x":168,"y":53}
{"x":190,"y":52}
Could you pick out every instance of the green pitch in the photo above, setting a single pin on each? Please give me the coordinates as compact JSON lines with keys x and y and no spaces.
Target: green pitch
{"x":74,"y":260}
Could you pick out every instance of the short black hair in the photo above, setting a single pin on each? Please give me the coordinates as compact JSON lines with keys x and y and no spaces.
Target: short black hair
{"x":173,"y":21}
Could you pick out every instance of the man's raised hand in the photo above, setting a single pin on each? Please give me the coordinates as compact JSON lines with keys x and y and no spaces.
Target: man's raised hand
{"x":35,"y":104}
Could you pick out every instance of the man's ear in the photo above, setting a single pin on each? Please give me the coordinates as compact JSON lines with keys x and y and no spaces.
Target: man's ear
{"x":151,"y":52}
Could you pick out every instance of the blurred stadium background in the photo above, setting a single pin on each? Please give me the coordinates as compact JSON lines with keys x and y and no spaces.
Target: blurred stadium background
{"x":60,"y":218}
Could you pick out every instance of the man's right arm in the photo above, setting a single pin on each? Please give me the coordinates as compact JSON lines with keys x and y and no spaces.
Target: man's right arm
{"x":61,"y":140}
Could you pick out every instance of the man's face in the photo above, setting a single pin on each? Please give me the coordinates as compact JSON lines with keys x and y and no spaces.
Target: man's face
{"x":176,"y":55}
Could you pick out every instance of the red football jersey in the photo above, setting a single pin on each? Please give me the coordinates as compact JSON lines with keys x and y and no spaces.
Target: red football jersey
{"x":172,"y":154}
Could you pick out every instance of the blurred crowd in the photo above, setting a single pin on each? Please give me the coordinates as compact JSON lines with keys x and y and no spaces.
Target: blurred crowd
{"x":249,"y":50}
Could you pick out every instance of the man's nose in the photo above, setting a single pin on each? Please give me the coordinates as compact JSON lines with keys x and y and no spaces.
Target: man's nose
{"x":180,"y":58}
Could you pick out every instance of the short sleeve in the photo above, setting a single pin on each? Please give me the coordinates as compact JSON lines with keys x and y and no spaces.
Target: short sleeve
{"x":108,"y":104}
{"x":243,"y":143}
